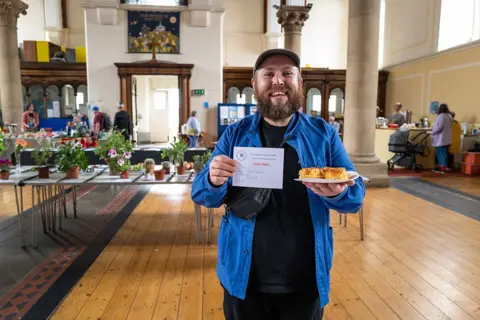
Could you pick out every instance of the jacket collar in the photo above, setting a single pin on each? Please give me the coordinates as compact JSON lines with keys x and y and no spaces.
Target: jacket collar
{"x":252,"y":127}
{"x":254,"y":124}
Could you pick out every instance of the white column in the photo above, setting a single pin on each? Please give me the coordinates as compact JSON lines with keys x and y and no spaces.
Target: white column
{"x":361,"y":89}
{"x":10,"y":81}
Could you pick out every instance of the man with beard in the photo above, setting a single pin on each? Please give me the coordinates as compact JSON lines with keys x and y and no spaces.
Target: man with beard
{"x":276,"y":265}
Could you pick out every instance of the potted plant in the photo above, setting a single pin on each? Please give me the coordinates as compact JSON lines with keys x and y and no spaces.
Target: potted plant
{"x":200,"y":161}
{"x":166,"y":166}
{"x":20,"y":145}
{"x":3,"y":147}
{"x":113,"y":149}
{"x":5,"y":168}
{"x":178,"y":154}
{"x":168,"y":154}
{"x":41,"y":157}
{"x":123,"y":166}
{"x":70,"y":158}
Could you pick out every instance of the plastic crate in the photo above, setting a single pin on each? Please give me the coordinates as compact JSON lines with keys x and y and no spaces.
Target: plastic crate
{"x":472,"y":158}
{"x":471,"y":169}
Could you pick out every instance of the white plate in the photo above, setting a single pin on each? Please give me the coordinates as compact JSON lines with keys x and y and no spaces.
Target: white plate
{"x":352,"y":175}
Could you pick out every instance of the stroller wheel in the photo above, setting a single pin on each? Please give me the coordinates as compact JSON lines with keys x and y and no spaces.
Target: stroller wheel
{"x":390,"y":165}
{"x":418,"y":168}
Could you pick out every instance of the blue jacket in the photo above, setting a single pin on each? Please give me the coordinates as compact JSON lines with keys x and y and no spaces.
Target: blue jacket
{"x":317,"y":145}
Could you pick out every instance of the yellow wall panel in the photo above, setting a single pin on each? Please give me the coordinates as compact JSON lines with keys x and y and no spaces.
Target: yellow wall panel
{"x":81,"y":54}
{"x":43,"y":51}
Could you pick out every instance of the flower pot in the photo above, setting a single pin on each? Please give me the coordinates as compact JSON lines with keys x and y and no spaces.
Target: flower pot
{"x":159,"y":175}
{"x":5,"y":175}
{"x":111,"y":167}
{"x":180,"y":170}
{"x":72,"y":173}
{"x":44,"y":172}
{"x":125,"y":175}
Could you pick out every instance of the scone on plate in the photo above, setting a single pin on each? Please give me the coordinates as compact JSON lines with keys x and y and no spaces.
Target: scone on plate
{"x":324,"y":173}
{"x":335,"y":174}
{"x":311,"y":173}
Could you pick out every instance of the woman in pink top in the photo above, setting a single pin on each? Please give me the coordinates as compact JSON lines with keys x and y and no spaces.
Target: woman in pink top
{"x":442,"y":136}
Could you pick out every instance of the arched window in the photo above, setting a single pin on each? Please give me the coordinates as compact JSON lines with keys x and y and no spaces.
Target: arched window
{"x":459,"y":23}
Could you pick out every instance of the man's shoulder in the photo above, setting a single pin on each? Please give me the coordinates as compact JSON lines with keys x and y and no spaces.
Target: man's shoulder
{"x":314,"y":123}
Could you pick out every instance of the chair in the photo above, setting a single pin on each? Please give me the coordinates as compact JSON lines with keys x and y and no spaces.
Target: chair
{"x":360,"y":215}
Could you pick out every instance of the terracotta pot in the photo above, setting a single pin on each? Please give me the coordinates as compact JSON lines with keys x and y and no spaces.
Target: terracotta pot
{"x":44,"y":172}
{"x":5,"y":175}
{"x":159,"y":175}
{"x":125,"y":175}
{"x":166,"y":170}
{"x":73,"y":173}
{"x":180,"y":170}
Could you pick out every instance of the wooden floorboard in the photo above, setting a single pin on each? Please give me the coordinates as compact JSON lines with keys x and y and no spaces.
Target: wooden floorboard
{"x":467,"y":184}
{"x":418,"y":261}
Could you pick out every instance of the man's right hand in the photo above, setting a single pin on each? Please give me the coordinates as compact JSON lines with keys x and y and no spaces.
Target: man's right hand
{"x":221,"y":168}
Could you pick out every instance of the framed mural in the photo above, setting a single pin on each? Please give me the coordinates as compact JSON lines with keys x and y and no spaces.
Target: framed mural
{"x":148,"y":27}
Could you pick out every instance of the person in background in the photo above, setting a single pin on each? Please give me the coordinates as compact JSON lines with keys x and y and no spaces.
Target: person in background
{"x":334,"y":123}
{"x":97,"y":120}
{"x":122,"y":121}
{"x":30,"y":119}
{"x":442,"y":136}
{"x":398,"y":117}
{"x":277,"y":264}
{"x":193,"y":129}
{"x":456,"y":141}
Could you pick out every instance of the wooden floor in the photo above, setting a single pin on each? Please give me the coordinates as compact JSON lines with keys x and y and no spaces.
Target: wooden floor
{"x":418,"y":261}
{"x":7,"y":201}
{"x":470,"y":185}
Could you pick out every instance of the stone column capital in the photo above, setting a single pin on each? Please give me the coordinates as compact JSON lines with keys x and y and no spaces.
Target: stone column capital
{"x":292,"y":18}
{"x":10,"y":11}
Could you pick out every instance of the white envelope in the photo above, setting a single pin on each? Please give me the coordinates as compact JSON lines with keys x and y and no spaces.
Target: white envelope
{"x":258,"y":167}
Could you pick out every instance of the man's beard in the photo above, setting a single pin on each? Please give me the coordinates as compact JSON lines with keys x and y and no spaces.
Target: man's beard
{"x":282,"y":111}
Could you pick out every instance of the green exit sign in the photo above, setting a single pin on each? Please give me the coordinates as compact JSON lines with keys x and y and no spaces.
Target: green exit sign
{"x":198,"y":92}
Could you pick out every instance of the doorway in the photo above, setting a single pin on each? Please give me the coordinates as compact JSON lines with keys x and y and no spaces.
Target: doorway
{"x":156,"y":108}
{"x":130,"y":73}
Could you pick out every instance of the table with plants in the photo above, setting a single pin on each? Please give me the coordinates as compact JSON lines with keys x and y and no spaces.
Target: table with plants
{"x":66,"y":168}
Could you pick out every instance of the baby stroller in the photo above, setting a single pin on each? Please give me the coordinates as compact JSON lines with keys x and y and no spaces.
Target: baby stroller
{"x":405,"y":150}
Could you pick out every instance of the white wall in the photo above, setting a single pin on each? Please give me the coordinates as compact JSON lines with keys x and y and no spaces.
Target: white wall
{"x":325,"y":34}
{"x":107,"y":44}
{"x":411,"y":29}
{"x":243,"y":32}
{"x":31,"y":26}
{"x":76,"y":23}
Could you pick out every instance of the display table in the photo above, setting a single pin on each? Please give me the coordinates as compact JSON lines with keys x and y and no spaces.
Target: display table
{"x":51,"y":195}
{"x":138,"y":156}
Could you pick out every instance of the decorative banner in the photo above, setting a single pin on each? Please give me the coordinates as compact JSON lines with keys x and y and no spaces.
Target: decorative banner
{"x":147,"y":27}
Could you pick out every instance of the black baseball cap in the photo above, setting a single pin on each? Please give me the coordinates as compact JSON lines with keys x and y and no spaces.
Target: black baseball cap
{"x":277,"y":52}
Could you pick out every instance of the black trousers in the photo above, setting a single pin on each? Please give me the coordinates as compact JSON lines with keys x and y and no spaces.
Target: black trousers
{"x":266,"y":306}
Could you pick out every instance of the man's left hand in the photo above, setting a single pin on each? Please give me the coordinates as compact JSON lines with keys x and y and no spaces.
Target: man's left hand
{"x":328,"y":189}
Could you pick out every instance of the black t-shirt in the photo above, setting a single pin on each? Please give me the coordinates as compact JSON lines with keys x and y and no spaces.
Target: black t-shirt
{"x":284,"y":242}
